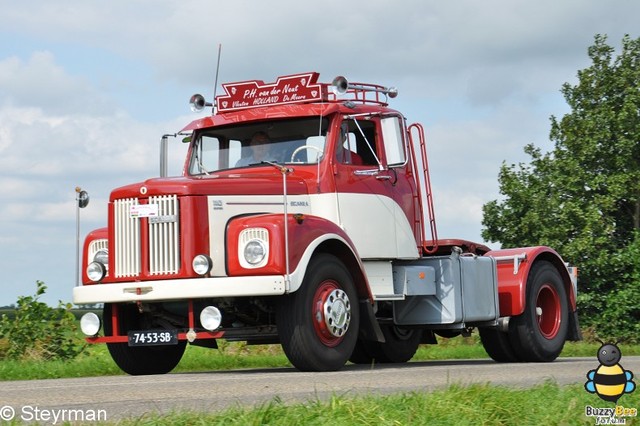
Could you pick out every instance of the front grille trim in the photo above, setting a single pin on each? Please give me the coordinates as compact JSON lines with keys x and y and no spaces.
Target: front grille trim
{"x":162,"y":242}
{"x":164,"y":236}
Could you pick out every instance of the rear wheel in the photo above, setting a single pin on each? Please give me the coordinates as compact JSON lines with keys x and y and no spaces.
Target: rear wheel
{"x":139,"y":360}
{"x":497,"y":345}
{"x":361,"y":353}
{"x":539,"y":333}
{"x":318,"y":324}
{"x":400,"y":344}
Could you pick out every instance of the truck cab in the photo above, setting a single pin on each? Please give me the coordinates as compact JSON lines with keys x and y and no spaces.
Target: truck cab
{"x":304,"y":217}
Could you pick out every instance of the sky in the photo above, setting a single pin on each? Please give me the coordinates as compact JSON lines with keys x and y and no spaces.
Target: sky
{"x":87,"y":89}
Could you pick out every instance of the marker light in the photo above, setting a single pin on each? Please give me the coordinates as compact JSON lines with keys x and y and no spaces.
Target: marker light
{"x":202,"y":264}
{"x":210,"y":318}
{"x":90,"y":324}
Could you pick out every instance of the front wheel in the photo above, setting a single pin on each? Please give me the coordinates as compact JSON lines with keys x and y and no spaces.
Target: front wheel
{"x":318,"y":324}
{"x":539,"y":333}
{"x":139,"y":360}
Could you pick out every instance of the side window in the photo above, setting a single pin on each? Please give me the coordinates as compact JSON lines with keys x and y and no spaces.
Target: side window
{"x":206,"y":155}
{"x":358,"y":144}
{"x":393,"y":141}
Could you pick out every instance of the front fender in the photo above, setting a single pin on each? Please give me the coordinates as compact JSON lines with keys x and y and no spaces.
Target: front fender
{"x":93,"y":236}
{"x":513,"y":270}
{"x":306,"y":234}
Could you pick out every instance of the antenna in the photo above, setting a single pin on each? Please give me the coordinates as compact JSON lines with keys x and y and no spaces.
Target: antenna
{"x":215,"y":84}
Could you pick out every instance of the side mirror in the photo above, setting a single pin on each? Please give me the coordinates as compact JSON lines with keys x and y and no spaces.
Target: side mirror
{"x":83,"y":198}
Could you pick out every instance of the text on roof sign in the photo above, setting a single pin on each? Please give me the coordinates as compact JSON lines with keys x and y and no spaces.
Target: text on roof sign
{"x":255,"y":93}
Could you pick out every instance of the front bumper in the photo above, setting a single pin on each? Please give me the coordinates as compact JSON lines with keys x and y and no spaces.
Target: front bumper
{"x":180,"y":289}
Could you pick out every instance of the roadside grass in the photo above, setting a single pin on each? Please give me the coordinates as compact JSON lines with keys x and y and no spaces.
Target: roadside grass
{"x":484,"y":404}
{"x":96,"y":361}
{"x":479,"y":404}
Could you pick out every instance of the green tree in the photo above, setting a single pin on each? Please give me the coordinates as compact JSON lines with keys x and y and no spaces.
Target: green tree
{"x":583,"y":198}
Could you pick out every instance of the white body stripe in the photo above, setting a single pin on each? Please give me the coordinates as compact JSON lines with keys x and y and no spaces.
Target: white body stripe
{"x":360,"y":215}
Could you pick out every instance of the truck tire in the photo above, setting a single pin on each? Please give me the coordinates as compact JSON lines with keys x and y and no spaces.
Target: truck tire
{"x":539,"y":333}
{"x":318,"y":324}
{"x":361,"y":353}
{"x":400,"y":344}
{"x":497,"y":345}
{"x":139,"y":360}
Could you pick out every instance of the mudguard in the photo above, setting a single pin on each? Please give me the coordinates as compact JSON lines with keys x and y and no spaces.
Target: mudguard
{"x":513,"y":270}
{"x":307,"y":235}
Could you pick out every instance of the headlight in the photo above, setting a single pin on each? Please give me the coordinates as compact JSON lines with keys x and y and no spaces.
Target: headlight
{"x":202,"y":264}
{"x":254,"y":252}
{"x":96,"y":271}
{"x":253,"y":248}
{"x":102,"y":256}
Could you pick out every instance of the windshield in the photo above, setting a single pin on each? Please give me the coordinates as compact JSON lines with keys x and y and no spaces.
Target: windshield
{"x":298,"y":141}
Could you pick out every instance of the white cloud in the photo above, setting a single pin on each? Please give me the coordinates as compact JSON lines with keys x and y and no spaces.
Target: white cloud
{"x":420,"y":41}
{"x":47,"y":148}
{"x":82,"y":87}
{"x":41,"y":82}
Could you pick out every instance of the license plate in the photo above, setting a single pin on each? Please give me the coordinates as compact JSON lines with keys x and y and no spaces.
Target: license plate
{"x":153,"y":337}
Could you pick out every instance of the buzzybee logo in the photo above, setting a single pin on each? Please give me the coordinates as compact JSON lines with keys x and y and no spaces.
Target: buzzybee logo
{"x":609,"y":381}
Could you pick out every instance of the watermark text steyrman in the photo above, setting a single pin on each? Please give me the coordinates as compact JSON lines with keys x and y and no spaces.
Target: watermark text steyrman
{"x":54,"y":416}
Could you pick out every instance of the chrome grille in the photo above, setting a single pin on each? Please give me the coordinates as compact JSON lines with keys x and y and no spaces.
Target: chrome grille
{"x":127,"y":239}
{"x":164,"y":236}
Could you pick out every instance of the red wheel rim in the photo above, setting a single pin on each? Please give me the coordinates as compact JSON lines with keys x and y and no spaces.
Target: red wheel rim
{"x":548,"y":311}
{"x":329,"y":296}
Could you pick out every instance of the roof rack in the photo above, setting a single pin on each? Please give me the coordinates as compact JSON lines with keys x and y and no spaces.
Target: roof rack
{"x":360,"y":91}
{"x":293,"y":89}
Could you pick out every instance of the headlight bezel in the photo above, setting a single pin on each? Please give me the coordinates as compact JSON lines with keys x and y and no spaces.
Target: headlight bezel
{"x":253,"y":248}
{"x":97,"y":251}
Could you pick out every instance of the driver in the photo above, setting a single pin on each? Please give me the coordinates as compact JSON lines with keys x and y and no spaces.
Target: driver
{"x":260,"y":145}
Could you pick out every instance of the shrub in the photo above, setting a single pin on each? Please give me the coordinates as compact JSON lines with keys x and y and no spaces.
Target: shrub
{"x":38,"y":331}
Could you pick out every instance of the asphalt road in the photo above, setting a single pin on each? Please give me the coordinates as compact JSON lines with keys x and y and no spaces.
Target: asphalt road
{"x":128,"y":396}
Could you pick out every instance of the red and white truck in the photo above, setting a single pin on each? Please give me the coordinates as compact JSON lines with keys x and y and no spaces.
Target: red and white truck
{"x":304,"y":217}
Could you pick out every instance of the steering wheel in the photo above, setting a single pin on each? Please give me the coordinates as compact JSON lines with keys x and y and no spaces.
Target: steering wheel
{"x":300,"y":148}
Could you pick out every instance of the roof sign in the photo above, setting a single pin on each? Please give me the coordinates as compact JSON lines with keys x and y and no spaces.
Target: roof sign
{"x":255,"y":93}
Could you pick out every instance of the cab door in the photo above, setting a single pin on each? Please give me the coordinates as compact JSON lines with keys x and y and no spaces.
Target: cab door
{"x":368,"y":200}
{"x":403,"y":184}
